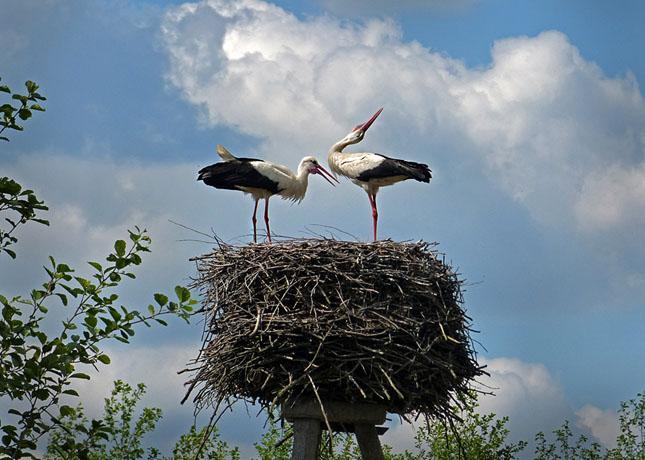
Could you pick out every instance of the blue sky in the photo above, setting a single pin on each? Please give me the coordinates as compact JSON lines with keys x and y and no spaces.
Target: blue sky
{"x":529,"y":113}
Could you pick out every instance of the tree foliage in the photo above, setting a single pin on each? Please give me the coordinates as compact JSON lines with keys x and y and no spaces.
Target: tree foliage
{"x":20,"y":107}
{"x":121,"y":433}
{"x":475,"y":436}
{"x":38,"y":368}
{"x":38,"y":365}
{"x":203,"y":444}
{"x":630,"y":442}
{"x":17,"y":206}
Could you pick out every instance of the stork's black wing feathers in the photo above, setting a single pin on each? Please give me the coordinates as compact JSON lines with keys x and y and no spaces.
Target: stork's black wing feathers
{"x":232,"y":175}
{"x":394,"y":167}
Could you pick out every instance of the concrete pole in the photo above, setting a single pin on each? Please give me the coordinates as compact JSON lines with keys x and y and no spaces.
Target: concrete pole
{"x":306,"y":438}
{"x":368,"y":442}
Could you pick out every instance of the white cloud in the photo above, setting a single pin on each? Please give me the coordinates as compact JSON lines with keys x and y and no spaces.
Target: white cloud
{"x":93,"y":203}
{"x":525,"y":392}
{"x":155,"y":366}
{"x":613,"y":196}
{"x":546,"y":122}
{"x":603,"y":424}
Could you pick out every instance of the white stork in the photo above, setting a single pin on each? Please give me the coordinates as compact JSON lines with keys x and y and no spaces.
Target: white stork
{"x":261,"y":179}
{"x":372,"y":170}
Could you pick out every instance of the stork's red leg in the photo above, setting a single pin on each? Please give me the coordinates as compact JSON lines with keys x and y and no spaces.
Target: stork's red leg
{"x":255,"y":221}
{"x":266,"y":218}
{"x":374,"y":211}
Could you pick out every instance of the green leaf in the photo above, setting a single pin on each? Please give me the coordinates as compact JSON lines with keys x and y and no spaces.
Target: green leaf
{"x":85,"y":284}
{"x":105,"y":359}
{"x":71,"y":392}
{"x":31,"y":86}
{"x":114,"y":313}
{"x":37,"y":107}
{"x":97,"y":266}
{"x":121,"y":263}
{"x":66,"y":411}
{"x":20,"y":98}
{"x":24,"y":114}
{"x":119,"y":247}
{"x":183,"y":294}
{"x":63,"y":268}
{"x":161,"y":299}
{"x":80,"y":375}
{"x":41,"y":394}
{"x":63,"y":298}
{"x":91,"y":321}
{"x":5,"y":89}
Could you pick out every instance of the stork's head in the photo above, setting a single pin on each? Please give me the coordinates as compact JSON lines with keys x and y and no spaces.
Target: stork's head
{"x":356,"y":134}
{"x":311,"y":166}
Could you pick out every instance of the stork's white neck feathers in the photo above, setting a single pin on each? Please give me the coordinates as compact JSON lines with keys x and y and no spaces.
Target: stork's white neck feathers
{"x":335,"y":153}
{"x":296,"y":188}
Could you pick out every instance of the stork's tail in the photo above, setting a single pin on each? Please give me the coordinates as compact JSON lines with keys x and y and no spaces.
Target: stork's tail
{"x":417,"y":171}
{"x":225,"y":154}
{"x":205,"y":173}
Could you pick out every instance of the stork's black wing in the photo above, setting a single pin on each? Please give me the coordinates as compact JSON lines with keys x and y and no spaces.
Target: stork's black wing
{"x":232,"y":175}
{"x":391,"y":167}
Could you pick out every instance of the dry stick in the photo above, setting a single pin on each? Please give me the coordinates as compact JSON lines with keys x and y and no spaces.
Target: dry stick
{"x":322,"y":409}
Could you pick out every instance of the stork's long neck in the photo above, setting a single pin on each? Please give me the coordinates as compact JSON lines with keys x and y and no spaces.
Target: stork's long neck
{"x":340,"y":145}
{"x":299,"y":184}
{"x":335,"y":152}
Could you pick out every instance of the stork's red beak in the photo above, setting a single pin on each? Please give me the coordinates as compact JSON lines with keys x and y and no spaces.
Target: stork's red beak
{"x":325,"y":174}
{"x":365,"y":126}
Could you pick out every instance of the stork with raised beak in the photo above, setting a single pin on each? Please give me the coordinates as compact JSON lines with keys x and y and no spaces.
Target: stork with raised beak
{"x":262,"y":179}
{"x":372,"y":171}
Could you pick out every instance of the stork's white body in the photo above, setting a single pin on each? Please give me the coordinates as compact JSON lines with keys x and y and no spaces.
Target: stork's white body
{"x":261,"y":179}
{"x":290,"y":186}
{"x":353,"y":165}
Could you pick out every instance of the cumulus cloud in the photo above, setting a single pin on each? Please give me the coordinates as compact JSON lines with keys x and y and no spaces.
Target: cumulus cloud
{"x":525,"y":392}
{"x":155,"y":366}
{"x":92,"y":203}
{"x":603,"y":424}
{"x":546,"y":122}
{"x":613,"y":196}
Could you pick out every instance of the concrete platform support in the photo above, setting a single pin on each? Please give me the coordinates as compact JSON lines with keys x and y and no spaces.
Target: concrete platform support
{"x":308,"y":422}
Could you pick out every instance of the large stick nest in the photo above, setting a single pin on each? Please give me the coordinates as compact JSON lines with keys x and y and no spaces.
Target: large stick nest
{"x":343,"y":321}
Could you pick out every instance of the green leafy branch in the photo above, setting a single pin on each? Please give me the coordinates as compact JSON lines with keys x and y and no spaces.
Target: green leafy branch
{"x":23,"y":205}
{"x":37,"y":370}
{"x":29,"y":103}
{"x":119,"y":433}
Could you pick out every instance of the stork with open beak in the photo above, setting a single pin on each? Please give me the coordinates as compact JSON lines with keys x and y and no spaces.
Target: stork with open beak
{"x":372,"y":170}
{"x":262,"y":179}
